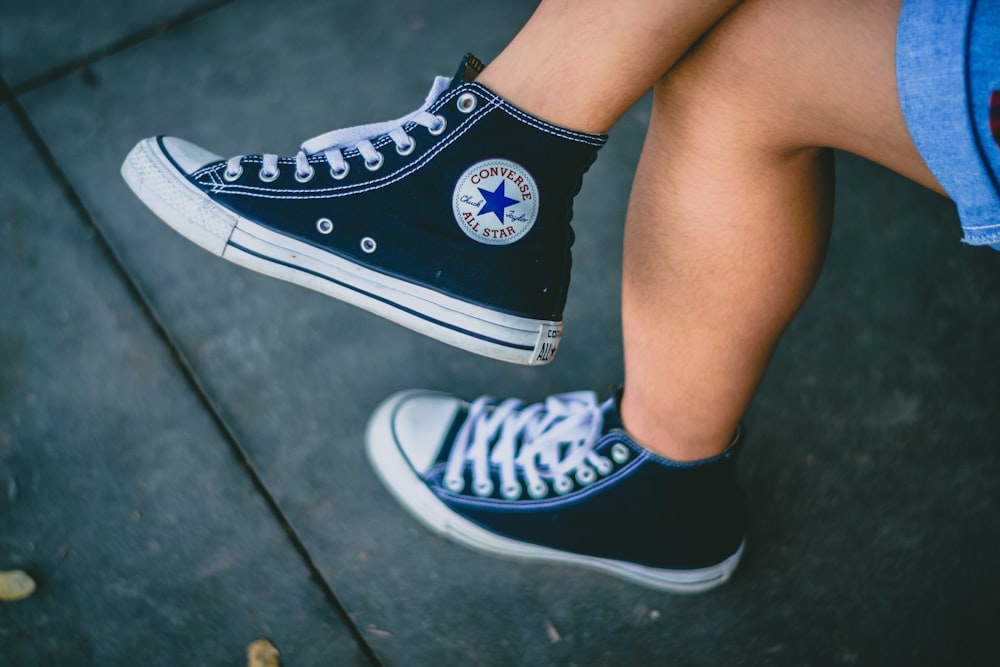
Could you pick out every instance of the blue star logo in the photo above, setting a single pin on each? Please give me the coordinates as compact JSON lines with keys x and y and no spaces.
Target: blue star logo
{"x":496,"y":202}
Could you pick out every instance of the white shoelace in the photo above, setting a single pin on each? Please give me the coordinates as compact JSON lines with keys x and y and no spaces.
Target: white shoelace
{"x":360,"y":137}
{"x":540,"y":444}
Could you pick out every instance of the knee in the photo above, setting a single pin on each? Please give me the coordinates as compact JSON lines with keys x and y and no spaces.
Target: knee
{"x":733,"y":89}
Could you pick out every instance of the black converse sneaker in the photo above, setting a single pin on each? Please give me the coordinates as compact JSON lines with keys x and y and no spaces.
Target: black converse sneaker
{"x":453,"y":220}
{"x":559,"y":481}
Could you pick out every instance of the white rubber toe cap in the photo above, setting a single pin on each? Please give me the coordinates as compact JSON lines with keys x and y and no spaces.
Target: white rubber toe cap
{"x":420,"y":422}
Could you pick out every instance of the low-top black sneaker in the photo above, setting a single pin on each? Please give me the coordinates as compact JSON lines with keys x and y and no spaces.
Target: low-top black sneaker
{"x":560,"y":481}
{"x":453,"y":220}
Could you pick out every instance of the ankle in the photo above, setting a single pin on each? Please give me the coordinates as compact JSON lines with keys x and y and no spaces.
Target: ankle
{"x":674,"y":439}
{"x":546,"y":102}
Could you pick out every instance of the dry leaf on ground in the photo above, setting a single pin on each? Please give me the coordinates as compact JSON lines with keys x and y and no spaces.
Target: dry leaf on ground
{"x":15,"y":585}
{"x":262,"y":654}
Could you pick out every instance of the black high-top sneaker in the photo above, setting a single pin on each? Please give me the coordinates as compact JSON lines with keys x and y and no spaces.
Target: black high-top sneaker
{"x":453,"y":220}
{"x":560,"y":481}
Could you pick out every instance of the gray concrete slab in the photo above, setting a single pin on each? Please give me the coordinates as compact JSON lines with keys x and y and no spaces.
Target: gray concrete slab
{"x":870,"y":465}
{"x":37,"y":38}
{"x":118,"y":493}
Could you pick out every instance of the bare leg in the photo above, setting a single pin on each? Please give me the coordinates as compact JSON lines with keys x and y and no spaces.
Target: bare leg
{"x":583,"y":63}
{"x":731,"y":207}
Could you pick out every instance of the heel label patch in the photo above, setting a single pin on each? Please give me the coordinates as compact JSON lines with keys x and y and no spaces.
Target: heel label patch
{"x":495,"y":202}
{"x":547,"y":344}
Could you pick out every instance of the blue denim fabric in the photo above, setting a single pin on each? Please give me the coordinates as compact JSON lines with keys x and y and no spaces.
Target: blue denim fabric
{"x":947,"y":63}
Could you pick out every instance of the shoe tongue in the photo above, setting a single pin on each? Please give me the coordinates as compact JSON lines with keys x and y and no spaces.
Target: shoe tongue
{"x":610,"y":414}
{"x":468,"y":70}
{"x":456,"y":425}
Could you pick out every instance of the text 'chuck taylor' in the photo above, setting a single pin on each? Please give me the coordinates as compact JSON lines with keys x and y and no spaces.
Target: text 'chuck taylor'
{"x":453,"y":220}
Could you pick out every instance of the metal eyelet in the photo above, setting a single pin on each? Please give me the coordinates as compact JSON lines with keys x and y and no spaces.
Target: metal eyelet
{"x":368,"y":244}
{"x":467,"y":102}
{"x":268,"y":178}
{"x":454,"y":484}
{"x":232,"y":176}
{"x":375,"y":165}
{"x":511,"y":491}
{"x":483,"y":489}
{"x":538,"y":490}
{"x":408,"y":148}
{"x":324,"y":225}
{"x":340,"y":174}
{"x":563,"y":485}
{"x":585,"y":476}
{"x":619,"y":453}
{"x":442,"y":124}
{"x":306,"y":177}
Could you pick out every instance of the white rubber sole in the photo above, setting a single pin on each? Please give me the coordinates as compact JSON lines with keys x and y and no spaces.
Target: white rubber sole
{"x":155,"y":179}
{"x":403,"y":483}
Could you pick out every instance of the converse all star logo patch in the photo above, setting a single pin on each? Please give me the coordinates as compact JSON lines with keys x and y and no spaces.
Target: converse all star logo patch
{"x":495,"y":202}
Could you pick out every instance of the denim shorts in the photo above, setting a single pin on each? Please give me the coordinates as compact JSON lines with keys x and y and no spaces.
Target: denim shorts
{"x":947,"y":69}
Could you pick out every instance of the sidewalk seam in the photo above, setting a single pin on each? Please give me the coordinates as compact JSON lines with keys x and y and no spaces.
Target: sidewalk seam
{"x":23,"y":120}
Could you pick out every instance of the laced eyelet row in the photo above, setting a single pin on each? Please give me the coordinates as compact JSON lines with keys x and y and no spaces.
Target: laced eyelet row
{"x":584,"y":476}
{"x":466,"y":103}
{"x":401,"y":149}
{"x":268,"y":177}
{"x":301,"y":177}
